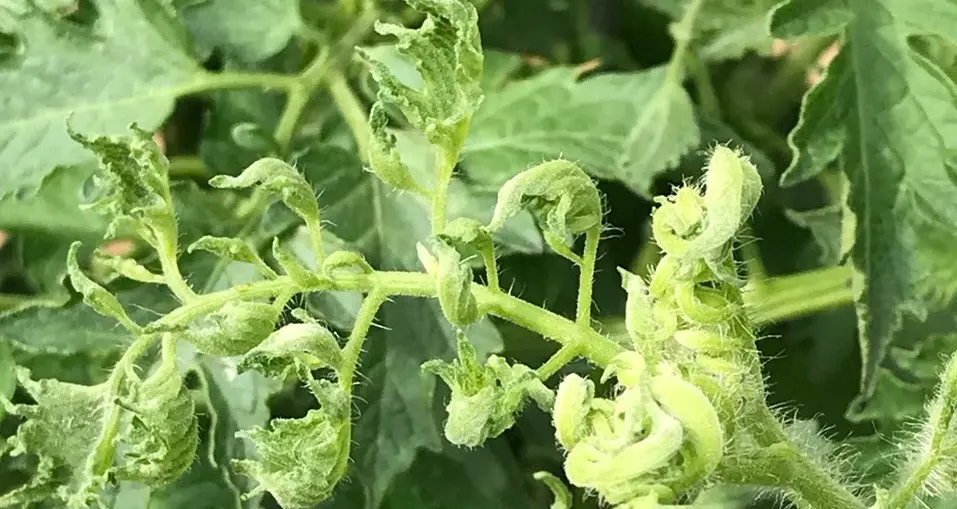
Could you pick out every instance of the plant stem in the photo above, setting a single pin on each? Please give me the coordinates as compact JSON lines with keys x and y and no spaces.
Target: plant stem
{"x":682,"y":31}
{"x":360,"y":330}
{"x":352,"y":111}
{"x":567,"y":353}
{"x":707,"y":96}
{"x":785,"y":297}
{"x":299,"y":96}
{"x":446,"y":157}
{"x":932,"y":442}
{"x":166,"y":250}
{"x":586,"y":278}
{"x":229,"y":80}
{"x":187,"y":167}
{"x":595,"y":347}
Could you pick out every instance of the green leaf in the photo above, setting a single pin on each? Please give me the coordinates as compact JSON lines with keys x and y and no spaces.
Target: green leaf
{"x":78,"y":328}
{"x":249,"y":30}
{"x":55,"y":207}
{"x":126,"y":65}
{"x":825,"y":226}
{"x":308,"y":345}
{"x":628,"y":127}
{"x":725,"y":29}
{"x":888,"y":117}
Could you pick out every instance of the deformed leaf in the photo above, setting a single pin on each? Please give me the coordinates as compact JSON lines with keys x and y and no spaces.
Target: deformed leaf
{"x":447,"y":52}
{"x":279,"y":179}
{"x":888,"y":117}
{"x":134,"y":182}
{"x":94,"y":295}
{"x":291,"y":266}
{"x":300,"y":459}
{"x":563,"y":496}
{"x":234,"y":329}
{"x":306,"y":345}
{"x":163,"y":434}
{"x":384,"y":159}
{"x":231,"y":249}
{"x":453,"y":284}
{"x":485,"y":398}
{"x":63,"y":429}
{"x":342,"y":261}
{"x":561,"y":197}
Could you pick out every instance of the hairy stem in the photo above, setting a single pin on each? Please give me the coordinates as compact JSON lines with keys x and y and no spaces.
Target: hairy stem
{"x":445,"y":160}
{"x":782,"y":298}
{"x":933,"y":445}
{"x":567,"y":353}
{"x":586,"y":278}
{"x":352,"y":111}
{"x":360,"y":330}
{"x":595,"y":347}
{"x":166,"y":250}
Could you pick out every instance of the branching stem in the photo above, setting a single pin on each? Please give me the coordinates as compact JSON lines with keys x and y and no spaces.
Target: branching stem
{"x":587,"y":276}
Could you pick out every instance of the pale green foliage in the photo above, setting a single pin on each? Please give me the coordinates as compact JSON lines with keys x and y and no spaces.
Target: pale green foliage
{"x":561,"y":197}
{"x":453,"y":280}
{"x":233,"y":329}
{"x":163,"y":434}
{"x":447,"y":52}
{"x":134,"y":183}
{"x":384,"y":158}
{"x":485,"y":398}
{"x":344,"y":262}
{"x":231,"y":249}
{"x":298,"y":457}
{"x":94,"y":295}
{"x":293,"y":348}
{"x":278,"y":179}
{"x":63,"y":430}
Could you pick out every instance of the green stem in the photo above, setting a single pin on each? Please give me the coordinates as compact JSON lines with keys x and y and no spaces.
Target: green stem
{"x":779,"y":464}
{"x":932,"y":443}
{"x":299,"y":97}
{"x":360,"y":331}
{"x":707,"y":95}
{"x":445,"y":160}
{"x":786,"y":297}
{"x":586,"y":278}
{"x":187,"y":167}
{"x":596,"y":347}
{"x":682,"y":31}
{"x":166,"y":250}
{"x":230,"y":80}
{"x":567,"y":353}
{"x":352,"y":111}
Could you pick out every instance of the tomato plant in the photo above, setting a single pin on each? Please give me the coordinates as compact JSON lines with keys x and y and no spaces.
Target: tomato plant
{"x":453,"y":253}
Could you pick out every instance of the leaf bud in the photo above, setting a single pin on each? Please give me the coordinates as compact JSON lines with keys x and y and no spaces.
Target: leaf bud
{"x":345,"y":261}
{"x":278,"y":179}
{"x":453,"y":282}
{"x":232,"y":249}
{"x":94,"y":295}
{"x":572,"y":404}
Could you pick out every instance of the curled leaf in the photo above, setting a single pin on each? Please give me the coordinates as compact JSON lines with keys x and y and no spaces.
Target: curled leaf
{"x":163,"y":434}
{"x":299,"y":345}
{"x":485,"y":398}
{"x":572,"y":404}
{"x":686,"y":403}
{"x":447,"y":51}
{"x":94,"y":295}
{"x":128,"y":268}
{"x":300,"y":458}
{"x":292,"y":266}
{"x":561,"y":197}
{"x":134,"y":184}
{"x":345,"y":261}
{"x":232,"y":249}
{"x":63,"y":429}
{"x":279,"y":179}
{"x":234,"y":329}
{"x":384,"y":160}
{"x":453,"y":282}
